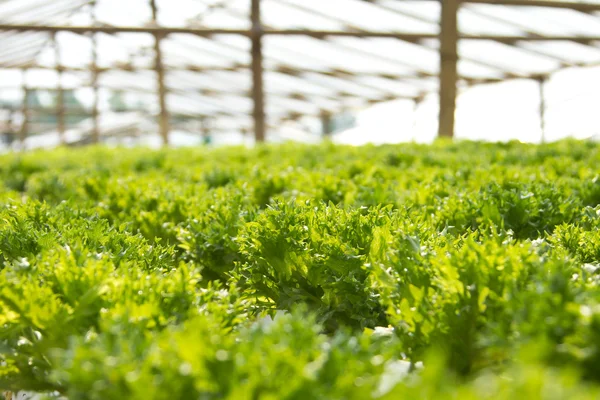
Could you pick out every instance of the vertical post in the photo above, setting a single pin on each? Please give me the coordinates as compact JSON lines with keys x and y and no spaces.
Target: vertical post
{"x":257,"y":73}
{"x":163,"y":121}
{"x":448,"y":67}
{"x":8,"y":134}
{"x":205,"y":130}
{"x":60,"y":94}
{"x":10,"y":127}
{"x":326,"y":123}
{"x":95,"y":73}
{"x":416,"y":103}
{"x":542,"y":87}
{"x":24,"y":111}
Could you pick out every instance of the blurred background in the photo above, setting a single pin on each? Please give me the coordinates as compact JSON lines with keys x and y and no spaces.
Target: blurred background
{"x":218,"y":72}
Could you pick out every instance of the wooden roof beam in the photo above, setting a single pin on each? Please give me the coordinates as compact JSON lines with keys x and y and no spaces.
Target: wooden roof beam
{"x":584,"y":7}
{"x":286,"y":32}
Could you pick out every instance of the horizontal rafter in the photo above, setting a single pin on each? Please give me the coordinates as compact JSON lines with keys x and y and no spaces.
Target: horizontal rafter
{"x":585,"y":7}
{"x":415,"y":37}
{"x":109,"y":29}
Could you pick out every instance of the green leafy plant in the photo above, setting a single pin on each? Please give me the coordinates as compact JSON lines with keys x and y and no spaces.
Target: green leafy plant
{"x":456,"y":270}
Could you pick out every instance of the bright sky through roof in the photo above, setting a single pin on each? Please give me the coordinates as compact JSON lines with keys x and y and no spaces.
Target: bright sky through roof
{"x":501,"y":111}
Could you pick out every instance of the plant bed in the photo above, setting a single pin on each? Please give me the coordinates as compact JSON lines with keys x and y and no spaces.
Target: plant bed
{"x":456,"y":270}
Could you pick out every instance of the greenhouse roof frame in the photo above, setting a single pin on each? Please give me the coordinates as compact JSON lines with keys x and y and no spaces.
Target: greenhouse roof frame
{"x":23,"y":39}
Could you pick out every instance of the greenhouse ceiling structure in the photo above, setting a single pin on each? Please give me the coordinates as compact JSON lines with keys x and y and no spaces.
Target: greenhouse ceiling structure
{"x":251,"y":65}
